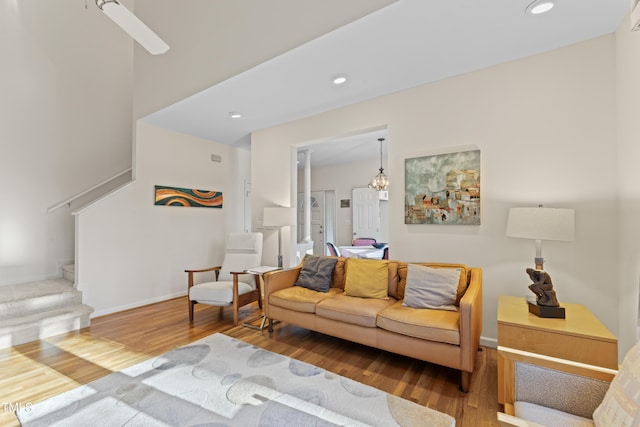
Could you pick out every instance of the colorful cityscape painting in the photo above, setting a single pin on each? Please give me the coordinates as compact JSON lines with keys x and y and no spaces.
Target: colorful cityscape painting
{"x":175,"y":196}
{"x":443,"y":189}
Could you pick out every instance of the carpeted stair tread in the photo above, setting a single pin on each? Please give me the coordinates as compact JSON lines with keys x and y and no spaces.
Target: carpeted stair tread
{"x":48,"y":315}
{"x":30,"y":298}
{"x":34,"y":289}
{"x":36,"y":310}
{"x":42,"y":325}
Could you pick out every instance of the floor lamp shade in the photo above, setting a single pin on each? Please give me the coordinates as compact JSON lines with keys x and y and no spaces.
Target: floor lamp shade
{"x":279,"y":217}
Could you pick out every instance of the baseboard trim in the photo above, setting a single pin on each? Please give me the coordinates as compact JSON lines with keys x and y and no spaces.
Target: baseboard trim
{"x":489,"y":342}
{"x":137,"y":304}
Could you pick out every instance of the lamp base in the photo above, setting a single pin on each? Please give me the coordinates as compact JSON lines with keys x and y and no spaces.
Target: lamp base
{"x":280,"y":262}
{"x":546,"y":311}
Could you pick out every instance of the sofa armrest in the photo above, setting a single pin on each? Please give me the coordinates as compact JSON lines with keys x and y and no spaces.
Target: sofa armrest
{"x":471,"y":320}
{"x":276,"y":280}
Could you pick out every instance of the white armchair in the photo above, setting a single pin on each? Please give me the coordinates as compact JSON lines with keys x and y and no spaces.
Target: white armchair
{"x":547,"y":391}
{"x":233,"y":287}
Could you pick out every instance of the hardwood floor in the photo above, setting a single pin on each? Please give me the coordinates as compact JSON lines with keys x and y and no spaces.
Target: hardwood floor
{"x":32,"y":372}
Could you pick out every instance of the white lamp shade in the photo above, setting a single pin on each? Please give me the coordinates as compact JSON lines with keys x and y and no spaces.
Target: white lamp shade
{"x":133,"y":26}
{"x":541,"y":223}
{"x":279,"y":216}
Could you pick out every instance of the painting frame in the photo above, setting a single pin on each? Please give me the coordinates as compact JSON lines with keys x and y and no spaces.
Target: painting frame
{"x":443,"y":188}
{"x":187,"y":197}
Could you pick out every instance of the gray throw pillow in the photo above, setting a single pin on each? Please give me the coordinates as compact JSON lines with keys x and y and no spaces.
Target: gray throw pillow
{"x":429,"y":287}
{"x":316,"y":273}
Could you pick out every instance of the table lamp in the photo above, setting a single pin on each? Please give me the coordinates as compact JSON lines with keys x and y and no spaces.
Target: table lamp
{"x":539,"y":223}
{"x":279,"y":217}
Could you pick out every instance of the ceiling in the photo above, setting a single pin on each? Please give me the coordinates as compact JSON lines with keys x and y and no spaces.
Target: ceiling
{"x":403,"y":45}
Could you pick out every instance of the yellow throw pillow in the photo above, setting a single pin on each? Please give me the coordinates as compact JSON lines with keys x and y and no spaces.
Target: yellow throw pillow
{"x":367,"y":278}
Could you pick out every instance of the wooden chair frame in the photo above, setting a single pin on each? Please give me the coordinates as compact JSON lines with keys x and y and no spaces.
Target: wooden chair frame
{"x":238,"y":300}
{"x":508,"y":357}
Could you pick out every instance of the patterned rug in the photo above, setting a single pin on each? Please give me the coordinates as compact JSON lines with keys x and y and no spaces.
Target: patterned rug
{"x":222,"y":381}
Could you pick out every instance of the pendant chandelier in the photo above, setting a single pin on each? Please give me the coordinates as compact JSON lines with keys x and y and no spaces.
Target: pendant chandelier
{"x":380,"y":182}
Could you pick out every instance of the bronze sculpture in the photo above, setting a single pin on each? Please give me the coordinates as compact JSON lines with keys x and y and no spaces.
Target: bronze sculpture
{"x":543,"y":288}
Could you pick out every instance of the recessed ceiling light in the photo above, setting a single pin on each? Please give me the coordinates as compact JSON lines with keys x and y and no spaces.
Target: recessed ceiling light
{"x":339,"y":79}
{"x":235,"y":115}
{"x":540,"y":6}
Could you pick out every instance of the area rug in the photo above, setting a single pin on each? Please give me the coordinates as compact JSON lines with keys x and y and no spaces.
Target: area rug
{"x":221,"y":381}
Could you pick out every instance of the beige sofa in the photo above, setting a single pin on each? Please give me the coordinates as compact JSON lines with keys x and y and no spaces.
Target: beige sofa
{"x":445,"y":337}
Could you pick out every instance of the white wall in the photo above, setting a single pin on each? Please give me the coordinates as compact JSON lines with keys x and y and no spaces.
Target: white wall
{"x":546,"y":128}
{"x":65,"y":124}
{"x":628,"y":106}
{"x":132,"y":252}
{"x":342,"y":178}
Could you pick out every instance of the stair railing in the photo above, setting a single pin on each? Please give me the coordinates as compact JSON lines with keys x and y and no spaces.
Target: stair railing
{"x":68,"y":200}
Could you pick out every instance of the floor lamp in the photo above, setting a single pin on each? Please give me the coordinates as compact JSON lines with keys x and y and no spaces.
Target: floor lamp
{"x":279,"y":217}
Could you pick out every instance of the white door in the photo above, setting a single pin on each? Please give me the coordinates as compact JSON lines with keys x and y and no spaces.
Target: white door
{"x":317,"y":221}
{"x":366,"y":213}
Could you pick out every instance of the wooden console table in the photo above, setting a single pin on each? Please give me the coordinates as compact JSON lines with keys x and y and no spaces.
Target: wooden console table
{"x":581,"y":337}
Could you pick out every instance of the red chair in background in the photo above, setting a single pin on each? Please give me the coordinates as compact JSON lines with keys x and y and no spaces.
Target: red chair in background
{"x":363,"y":241}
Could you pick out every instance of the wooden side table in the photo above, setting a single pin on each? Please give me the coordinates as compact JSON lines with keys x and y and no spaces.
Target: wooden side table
{"x":259,"y":272}
{"x":581,"y":337}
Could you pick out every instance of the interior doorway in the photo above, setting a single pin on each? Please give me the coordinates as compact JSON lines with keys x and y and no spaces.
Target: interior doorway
{"x":338,"y":163}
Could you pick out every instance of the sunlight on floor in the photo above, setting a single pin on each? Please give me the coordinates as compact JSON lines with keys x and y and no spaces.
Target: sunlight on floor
{"x":23,"y":383}
{"x":109,"y":355}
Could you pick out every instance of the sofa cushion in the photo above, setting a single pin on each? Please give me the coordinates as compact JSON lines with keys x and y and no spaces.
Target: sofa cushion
{"x":429,"y":287}
{"x":355,"y":310}
{"x":339,"y":273}
{"x":367,"y":278}
{"x":462,"y":285}
{"x":393,"y":280}
{"x":621,"y":403}
{"x":316,"y":273}
{"x":301,"y":299}
{"x":433,"y":325}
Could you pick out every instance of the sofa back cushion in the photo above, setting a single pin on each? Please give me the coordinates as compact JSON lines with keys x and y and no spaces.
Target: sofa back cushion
{"x":339,"y":274}
{"x":462,"y":284}
{"x":393,"y":279}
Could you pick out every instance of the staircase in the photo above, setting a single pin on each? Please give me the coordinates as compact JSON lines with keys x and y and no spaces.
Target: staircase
{"x":36,"y":310}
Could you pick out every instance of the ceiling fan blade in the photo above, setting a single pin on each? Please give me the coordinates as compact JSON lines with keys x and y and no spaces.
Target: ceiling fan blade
{"x":133,"y":26}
